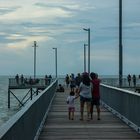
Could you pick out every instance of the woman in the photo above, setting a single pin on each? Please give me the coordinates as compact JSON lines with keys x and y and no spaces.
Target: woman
{"x":85,"y":95}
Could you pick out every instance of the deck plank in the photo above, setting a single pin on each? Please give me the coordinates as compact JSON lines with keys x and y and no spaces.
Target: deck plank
{"x":58,"y":126}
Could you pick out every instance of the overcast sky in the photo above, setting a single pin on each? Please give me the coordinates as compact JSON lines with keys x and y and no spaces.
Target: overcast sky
{"x":60,"y":23}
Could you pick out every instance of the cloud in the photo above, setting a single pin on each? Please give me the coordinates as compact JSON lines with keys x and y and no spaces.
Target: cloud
{"x":68,"y":6}
{"x":6,"y":10}
{"x":59,"y":23}
{"x":32,"y":12}
{"x":28,"y":41}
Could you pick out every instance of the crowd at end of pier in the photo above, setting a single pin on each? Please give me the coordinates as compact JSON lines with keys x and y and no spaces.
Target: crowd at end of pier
{"x":22,"y":80}
{"x":132,"y":79}
{"x":86,"y":87}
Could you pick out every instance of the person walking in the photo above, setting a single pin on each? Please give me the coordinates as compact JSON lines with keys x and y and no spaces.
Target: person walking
{"x":71,"y":107}
{"x":84,"y":91}
{"x":72,"y":82}
{"x":78,"y":80}
{"x":95,"y":94}
{"x":67,"y":80}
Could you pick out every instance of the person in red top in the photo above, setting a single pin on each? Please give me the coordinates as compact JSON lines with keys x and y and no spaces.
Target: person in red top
{"x":95,"y":94}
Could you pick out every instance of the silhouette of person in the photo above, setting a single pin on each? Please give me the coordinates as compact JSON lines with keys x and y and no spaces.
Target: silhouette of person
{"x":67,"y":80}
{"x":17,"y":79}
{"x":22,"y":79}
{"x":134,"y":80}
{"x":60,"y":88}
{"x":129,"y":79}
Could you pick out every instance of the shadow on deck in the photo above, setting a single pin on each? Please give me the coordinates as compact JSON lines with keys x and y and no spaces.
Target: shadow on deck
{"x":58,"y":126}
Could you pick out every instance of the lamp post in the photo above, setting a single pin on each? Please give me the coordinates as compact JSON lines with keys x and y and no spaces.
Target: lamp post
{"x":88,"y":30}
{"x":120,"y":45}
{"x":35,"y":45}
{"x":55,"y":61}
{"x":85,"y":57}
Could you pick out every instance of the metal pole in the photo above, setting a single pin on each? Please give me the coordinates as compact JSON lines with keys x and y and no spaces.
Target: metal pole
{"x":120,"y":45}
{"x":88,"y":48}
{"x":55,"y":61}
{"x":35,"y":58}
{"x":85,"y":57}
{"x":8,"y":98}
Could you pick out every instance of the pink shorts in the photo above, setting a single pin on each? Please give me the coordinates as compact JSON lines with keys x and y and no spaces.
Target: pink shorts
{"x":71,"y":109}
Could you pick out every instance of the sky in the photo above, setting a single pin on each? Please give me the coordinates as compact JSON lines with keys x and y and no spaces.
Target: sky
{"x":59,"y":24}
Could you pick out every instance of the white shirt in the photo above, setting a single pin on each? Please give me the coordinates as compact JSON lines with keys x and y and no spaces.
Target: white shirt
{"x":70,"y":100}
{"x":85,"y":91}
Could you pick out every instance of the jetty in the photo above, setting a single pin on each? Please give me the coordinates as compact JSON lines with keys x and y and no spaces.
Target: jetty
{"x":33,"y":86}
{"x":58,"y":126}
{"x":45,"y":117}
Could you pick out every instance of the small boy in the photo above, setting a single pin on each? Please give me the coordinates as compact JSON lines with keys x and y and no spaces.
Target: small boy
{"x":71,"y":107}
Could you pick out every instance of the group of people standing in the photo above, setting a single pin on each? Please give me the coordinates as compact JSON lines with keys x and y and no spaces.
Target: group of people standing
{"x":132,"y":78}
{"x":85,"y":86}
{"x":21,"y":80}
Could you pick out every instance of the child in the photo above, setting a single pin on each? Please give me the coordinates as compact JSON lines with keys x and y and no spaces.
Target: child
{"x":71,"y":107}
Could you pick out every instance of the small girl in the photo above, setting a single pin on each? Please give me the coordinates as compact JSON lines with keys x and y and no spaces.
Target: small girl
{"x":71,"y":107}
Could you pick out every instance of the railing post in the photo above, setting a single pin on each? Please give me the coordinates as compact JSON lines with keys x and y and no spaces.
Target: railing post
{"x":120,"y":45}
{"x":37,"y":91}
{"x":31,"y":90}
{"x":8,"y":98}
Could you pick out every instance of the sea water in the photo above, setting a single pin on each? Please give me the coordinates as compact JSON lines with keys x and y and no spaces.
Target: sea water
{"x":5,"y":112}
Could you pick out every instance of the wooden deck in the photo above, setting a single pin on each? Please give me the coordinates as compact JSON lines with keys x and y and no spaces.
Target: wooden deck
{"x":59,"y":127}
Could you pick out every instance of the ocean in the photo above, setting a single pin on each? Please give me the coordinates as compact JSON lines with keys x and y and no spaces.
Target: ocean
{"x":5,"y":113}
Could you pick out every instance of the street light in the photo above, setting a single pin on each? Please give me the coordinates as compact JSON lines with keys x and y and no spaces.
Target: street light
{"x":35,"y":45}
{"x":88,"y":30}
{"x":55,"y":61}
{"x":85,"y":57}
{"x":120,"y":45}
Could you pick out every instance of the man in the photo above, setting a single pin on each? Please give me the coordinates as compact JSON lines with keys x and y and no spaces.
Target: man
{"x":95,"y":94}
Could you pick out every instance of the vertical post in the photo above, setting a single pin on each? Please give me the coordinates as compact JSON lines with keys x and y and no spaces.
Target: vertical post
{"x":31,"y":90}
{"x":35,"y":45}
{"x":8,"y":98}
{"x":120,"y":45}
{"x":88,"y":48}
{"x":37,"y":91}
{"x":85,"y":57}
{"x":55,"y":61}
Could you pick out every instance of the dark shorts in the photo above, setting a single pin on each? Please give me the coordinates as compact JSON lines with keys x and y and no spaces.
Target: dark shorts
{"x":83,"y":99}
{"x":95,"y":101}
{"x":72,"y":86}
{"x":71,"y":109}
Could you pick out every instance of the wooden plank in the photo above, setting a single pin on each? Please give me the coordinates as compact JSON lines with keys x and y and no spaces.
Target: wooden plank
{"x":58,"y":126}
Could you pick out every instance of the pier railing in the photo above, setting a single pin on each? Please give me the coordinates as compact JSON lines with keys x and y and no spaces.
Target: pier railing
{"x":28,"y":82}
{"x":115,"y":82}
{"x":123,"y":103}
{"x":25,"y":124}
